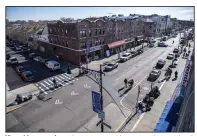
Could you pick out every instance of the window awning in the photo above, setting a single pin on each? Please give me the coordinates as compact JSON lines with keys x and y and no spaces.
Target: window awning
{"x":116,"y":44}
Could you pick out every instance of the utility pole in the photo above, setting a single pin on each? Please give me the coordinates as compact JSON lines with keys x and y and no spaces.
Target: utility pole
{"x":101,"y":91}
{"x":138,"y":94}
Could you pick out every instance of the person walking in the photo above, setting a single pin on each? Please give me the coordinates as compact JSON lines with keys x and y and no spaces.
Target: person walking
{"x":54,"y":82}
{"x":125,"y":81}
{"x":176,"y":74}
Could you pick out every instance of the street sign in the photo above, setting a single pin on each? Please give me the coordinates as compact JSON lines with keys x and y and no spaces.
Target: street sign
{"x":101,"y":115}
{"x":96,"y":103}
{"x":107,"y":125}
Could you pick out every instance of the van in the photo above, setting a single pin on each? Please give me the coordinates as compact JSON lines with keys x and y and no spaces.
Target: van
{"x":53,"y":65}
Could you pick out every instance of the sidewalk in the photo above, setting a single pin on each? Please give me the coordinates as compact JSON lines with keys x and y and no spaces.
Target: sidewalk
{"x":11,"y":96}
{"x":113,"y":117}
{"x":95,"y":64}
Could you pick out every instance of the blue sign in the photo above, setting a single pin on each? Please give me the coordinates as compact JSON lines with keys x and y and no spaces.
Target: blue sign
{"x":96,"y":103}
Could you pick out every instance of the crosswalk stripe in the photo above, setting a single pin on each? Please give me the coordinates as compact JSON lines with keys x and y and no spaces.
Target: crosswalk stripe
{"x":58,"y":78}
{"x":66,"y":77}
{"x":47,"y":83}
{"x":41,"y":89}
{"x":44,"y":86}
{"x":57,"y":82}
{"x":50,"y":81}
{"x":62,"y":77}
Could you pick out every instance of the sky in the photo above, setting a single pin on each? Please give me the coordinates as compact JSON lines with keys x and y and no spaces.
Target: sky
{"x":54,"y":13}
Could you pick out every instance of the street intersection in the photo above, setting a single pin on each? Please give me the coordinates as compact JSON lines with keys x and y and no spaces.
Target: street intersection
{"x":76,"y":110}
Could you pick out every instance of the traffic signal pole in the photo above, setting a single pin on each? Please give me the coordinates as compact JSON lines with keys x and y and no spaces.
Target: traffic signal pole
{"x":101,"y":86}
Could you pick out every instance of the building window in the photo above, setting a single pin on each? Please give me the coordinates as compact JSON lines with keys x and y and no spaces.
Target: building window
{"x":103,"y":42}
{"x":103,"y":31}
{"x":99,"y":31}
{"x":50,"y":30}
{"x":82,"y":33}
{"x":66,"y":43}
{"x":90,"y":33}
{"x":66,"y":31}
{"x":95,"y":32}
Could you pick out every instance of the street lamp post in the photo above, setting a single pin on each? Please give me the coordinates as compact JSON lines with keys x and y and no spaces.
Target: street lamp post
{"x":101,"y":86}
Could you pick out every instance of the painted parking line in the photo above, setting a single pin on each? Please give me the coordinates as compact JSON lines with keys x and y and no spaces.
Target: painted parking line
{"x":142,"y":115}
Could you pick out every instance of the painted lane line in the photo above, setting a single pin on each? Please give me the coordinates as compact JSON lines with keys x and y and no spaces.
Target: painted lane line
{"x":138,"y":121}
{"x":129,"y":93}
{"x":125,"y":74}
{"x":142,"y":115}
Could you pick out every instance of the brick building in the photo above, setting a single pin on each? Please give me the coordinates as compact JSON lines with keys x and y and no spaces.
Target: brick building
{"x":71,"y":41}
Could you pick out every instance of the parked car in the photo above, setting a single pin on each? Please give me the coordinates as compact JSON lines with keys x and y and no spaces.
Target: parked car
{"x":182,"y":41}
{"x":110,"y":66}
{"x":175,"y":50}
{"x":125,"y":57}
{"x":13,"y":60}
{"x":27,"y":76}
{"x":32,"y":55}
{"x":8,"y":56}
{"x":37,"y":58}
{"x":43,"y":61}
{"x":18,"y":48}
{"x":25,"y":50}
{"x":154,"y":75}
{"x":21,"y":69}
{"x":162,"y":44}
{"x":160,"y":63}
{"x":151,"y":44}
{"x":52,"y":65}
{"x":170,"y":56}
{"x":133,"y":53}
{"x":140,"y":51}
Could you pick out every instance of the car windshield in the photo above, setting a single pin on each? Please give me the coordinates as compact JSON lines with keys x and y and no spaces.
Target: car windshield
{"x":154,"y":72}
{"x":29,"y":74}
{"x":111,"y":64}
{"x":170,"y":54}
{"x":125,"y":55}
{"x":13,"y":59}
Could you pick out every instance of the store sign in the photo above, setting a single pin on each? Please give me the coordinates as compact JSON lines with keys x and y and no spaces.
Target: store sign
{"x":186,"y":74}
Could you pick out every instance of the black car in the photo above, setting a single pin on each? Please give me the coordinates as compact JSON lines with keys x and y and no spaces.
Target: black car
{"x":27,"y":76}
{"x":21,"y":69}
{"x":25,"y":50}
{"x":154,"y":75}
{"x":133,"y":53}
{"x":140,"y":51}
{"x":33,"y":55}
{"x":43,"y":61}
{"x":160,"y":63}
{"x":175,"y":50}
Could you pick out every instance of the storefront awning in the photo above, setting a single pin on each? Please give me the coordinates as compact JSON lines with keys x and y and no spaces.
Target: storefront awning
{"x":116,"y":44}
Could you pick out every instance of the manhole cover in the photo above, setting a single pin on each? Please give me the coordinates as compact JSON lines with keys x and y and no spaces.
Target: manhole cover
{"x":41,"y":130}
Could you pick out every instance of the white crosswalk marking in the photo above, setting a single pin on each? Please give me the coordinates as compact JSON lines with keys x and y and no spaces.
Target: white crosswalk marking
{"x":62,"y":77}
{"x":42,"y":90}
{"x":44,"y":86}
{"x":50,"y":81}
{"x":47,"y":83}
{"x":58,"y":78}
{"x":66,"y":77}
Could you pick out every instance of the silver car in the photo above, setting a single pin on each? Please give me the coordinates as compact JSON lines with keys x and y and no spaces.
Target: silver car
{"x":110,"y":66}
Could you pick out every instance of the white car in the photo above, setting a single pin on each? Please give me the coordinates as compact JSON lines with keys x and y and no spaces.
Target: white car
{"x":13,"y":60}
{"x":53,"y":65}
{"x":170,"y":56}
{"x":125,"y":57}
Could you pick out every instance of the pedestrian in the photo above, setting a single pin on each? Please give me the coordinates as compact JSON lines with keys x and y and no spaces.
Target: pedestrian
{"x":189,"y":46}
{"x":68,"y":69}
{"x":54,"y":82}
{"x":176,"y":74}
{"x":125,"y":81}
{"x":173,"y":42}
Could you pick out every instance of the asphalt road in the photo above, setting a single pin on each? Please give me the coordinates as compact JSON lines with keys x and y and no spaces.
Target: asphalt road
{"x":76,"y":108}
